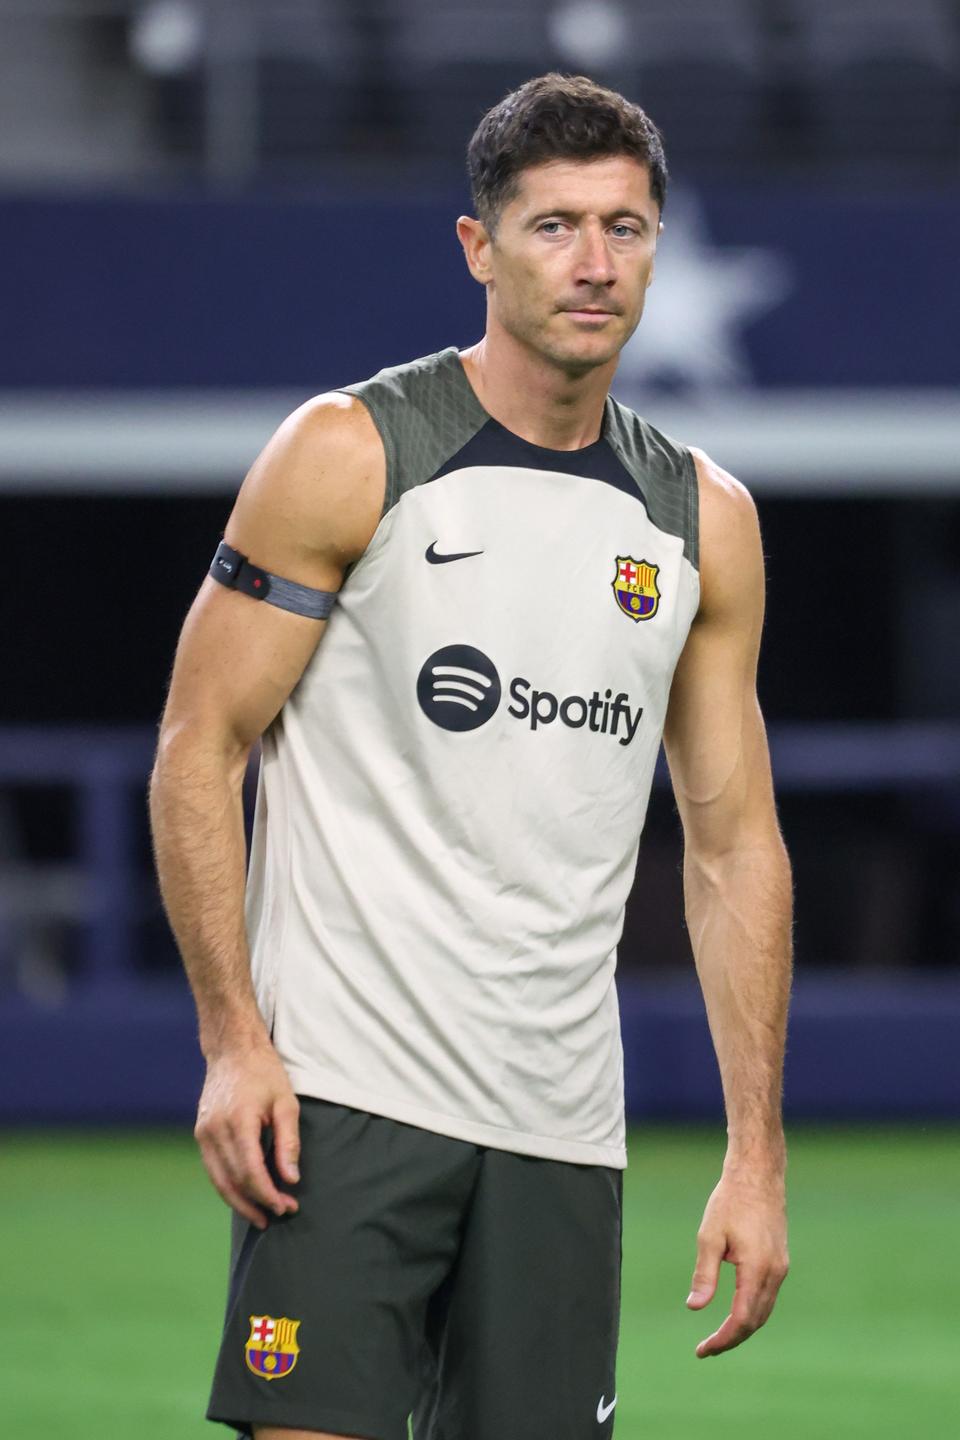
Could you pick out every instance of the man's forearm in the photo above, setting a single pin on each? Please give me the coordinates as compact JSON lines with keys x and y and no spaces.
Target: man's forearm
{"x":739,"y":915}
{"x":196,"y":814}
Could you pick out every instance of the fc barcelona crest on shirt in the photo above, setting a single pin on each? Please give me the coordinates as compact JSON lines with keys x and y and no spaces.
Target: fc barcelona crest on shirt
{"x":635,"y":587}
{"x":272,"y":1350}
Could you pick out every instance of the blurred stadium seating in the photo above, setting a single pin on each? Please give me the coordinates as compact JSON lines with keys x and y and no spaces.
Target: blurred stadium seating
{"x":236,"y":89}
{"x":881,"y":78}
{"x":195,"y":224}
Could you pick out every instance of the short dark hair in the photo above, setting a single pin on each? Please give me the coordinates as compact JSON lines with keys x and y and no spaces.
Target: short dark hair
{"x":557,"y":117}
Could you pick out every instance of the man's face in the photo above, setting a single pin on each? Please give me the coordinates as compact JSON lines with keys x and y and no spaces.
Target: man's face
{"x":572,"y":258}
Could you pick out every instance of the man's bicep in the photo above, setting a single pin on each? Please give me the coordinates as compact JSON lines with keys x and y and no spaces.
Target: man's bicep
{"x":237,"y":661}
{"x":716,"y":748}
{"x":714,"y":734}
{"x":307,"y":508}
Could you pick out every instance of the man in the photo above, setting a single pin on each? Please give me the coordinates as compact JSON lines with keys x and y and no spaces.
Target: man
{"x":532,"y":585}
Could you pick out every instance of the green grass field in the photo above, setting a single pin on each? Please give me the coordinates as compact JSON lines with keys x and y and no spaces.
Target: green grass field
{"x":113,"y":1278}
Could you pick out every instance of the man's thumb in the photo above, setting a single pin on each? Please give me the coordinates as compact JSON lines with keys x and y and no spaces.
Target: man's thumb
{"x":705,"y":1278}
{"x":286,"y":1138}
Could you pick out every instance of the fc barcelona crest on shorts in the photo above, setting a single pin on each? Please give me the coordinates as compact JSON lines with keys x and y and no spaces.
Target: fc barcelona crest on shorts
{"x":272,"y":1350}
{"x":635,"y":587}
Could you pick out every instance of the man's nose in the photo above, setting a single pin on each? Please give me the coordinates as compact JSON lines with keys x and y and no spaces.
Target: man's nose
{"x":594,"y":262}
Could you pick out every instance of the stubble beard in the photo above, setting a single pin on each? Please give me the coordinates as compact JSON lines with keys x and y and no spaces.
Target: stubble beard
{"x":567,"y":354}
{"x":578,"y":356}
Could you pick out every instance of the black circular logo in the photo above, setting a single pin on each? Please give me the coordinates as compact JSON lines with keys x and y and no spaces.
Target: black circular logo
{"x":458,"y":688}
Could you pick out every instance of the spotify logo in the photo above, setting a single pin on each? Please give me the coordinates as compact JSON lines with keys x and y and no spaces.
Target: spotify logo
{"x":458,"y":688}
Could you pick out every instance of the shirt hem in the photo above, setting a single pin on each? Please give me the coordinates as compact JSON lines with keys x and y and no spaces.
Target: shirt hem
{"x":456,"y":1127}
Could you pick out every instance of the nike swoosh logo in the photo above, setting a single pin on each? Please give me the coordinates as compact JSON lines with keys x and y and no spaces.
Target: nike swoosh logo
{"x":604,"y":1410}
{"x":435,"y":559}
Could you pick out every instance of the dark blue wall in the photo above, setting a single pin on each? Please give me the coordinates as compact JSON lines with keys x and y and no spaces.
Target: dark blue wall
{"x":862,"y":1048}
{"x":322,"y":291}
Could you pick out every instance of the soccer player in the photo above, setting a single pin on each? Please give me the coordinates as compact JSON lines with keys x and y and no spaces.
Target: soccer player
{"x":414,"y":1089}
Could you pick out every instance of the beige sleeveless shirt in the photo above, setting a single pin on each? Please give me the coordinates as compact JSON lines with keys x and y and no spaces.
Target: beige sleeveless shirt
{"x":451,"y":800}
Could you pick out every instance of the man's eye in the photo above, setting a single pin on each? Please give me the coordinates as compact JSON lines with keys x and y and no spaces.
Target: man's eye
{"x":551,"y":225}
{"x":625,"y":229}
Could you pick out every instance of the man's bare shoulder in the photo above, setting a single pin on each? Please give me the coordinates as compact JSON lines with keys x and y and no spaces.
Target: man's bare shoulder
{"x":331,"y":447}
{"x":726,"y":505}
{"x":316,"y":489}
{"x":335,"y":417}
{"x":731,"y":555}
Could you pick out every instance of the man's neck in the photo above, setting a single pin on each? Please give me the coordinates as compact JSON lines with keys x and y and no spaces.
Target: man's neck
{"x":537,"y":401}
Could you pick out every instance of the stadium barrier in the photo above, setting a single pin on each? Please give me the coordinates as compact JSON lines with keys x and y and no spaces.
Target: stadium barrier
{"x":117,"y":1044}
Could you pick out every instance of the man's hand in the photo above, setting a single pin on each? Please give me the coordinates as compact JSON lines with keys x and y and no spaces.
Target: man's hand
{"x":745,"y":1223}
{"x":244,"y":1091}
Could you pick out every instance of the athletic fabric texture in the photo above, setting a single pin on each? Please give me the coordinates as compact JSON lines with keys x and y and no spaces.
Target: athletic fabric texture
{"x":450,"y":802}
{"x":476,"y":1288}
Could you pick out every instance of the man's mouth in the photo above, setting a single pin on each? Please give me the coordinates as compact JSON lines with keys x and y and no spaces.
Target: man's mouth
{"x":592,"y":311}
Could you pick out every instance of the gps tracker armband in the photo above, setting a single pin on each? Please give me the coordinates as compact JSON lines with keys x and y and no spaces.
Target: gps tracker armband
{"x":235,"y":571}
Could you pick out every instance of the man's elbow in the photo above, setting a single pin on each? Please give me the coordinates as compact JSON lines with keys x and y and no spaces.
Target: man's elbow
{"x":191,"y":746}
{"x":714,"y":854}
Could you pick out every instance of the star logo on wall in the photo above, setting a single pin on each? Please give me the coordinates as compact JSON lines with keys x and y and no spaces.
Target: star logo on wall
{"x":702,"y":297}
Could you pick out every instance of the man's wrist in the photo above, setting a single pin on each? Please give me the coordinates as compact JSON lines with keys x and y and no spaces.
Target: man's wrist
{"x":760,"y":1156}
{"x":232,"y":1032}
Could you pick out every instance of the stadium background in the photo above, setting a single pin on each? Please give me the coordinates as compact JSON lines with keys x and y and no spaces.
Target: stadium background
{"x":211,"y":211}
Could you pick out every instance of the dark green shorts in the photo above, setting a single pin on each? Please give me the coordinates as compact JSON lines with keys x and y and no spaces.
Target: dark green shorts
{"x":475,"y":1288}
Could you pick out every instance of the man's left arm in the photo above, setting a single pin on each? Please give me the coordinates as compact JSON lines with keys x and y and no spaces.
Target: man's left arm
{"x":738,"y":903}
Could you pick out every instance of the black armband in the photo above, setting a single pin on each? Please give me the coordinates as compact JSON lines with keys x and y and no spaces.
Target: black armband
{"x":236,"y":572}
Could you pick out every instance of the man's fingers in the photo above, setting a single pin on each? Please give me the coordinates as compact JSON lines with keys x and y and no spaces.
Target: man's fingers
{"x":286,"y":1137}
{"x":727,"y":1337}
{"x":706,"y":1272}
{"x":738,"y":1325}
{"x":226,"y":1189}
{"x":753,"y":1301}
{"x":235,"y":1162}
{"x":244,"y":1207}
{"x":253,"y":1179}
{"x":243,"y":1093}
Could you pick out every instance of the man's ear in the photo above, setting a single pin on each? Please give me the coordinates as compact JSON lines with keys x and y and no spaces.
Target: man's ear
{"x":476,"y":248}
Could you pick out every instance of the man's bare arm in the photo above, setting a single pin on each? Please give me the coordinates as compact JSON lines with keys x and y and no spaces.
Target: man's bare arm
{"x":738,"y":902}
{"x":309,"y":506}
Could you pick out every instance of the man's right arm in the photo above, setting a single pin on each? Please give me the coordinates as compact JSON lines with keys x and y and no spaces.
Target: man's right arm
{"x":308,"y":507}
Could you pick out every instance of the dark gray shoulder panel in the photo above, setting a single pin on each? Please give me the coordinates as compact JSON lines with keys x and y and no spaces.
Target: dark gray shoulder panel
{"x":425,"y":411}
{"x":665,"y":472}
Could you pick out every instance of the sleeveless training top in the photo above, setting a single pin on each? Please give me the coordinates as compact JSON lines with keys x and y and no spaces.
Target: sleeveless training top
{"x":450,"y":801}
